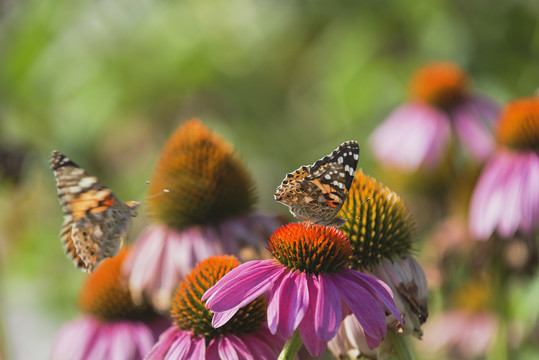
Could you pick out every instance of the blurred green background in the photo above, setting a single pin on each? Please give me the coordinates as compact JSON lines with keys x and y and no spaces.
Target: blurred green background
{"x":107,"y":81}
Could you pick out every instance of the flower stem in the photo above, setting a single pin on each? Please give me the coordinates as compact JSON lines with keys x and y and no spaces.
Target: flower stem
{"x":399,"y":345}
{"x":291,"y":347}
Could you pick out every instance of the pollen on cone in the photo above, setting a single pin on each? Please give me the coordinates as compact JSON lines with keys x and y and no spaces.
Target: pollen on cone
{"x":378,"y":228}
{"x":205,"y":180}
{"x":106,"y":296}
{"x":440,"y":84}
{"x":189,"y":312}
{"x":518,"y":127}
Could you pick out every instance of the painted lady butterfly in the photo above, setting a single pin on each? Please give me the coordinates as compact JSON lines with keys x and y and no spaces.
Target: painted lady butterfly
{"x":317,"y":192}
{"x":95,"y":221}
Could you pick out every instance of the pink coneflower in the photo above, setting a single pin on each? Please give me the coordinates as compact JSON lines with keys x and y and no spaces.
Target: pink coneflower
{"x":418,"y":133}
{"x":381,"y":231}
{"x":207,"y":210}
{"x":506,"y":197}
{"x":113,"y":327}
{"x":309,"y":286}
{"x":192,"y":337}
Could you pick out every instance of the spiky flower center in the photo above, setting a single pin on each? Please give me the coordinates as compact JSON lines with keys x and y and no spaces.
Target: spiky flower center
{"x":518,"y":127}
{"x":378,"y":228}
{"x":189,"y":312}
{"x":105,"y":294}
{"x":205,"y":179}
{"x":439,"y":84}
{"x":313,"y":249}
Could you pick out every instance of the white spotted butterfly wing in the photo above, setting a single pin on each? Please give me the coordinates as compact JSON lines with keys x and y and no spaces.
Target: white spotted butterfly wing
{"x":95,"y":220}
{"x":315,"y":193}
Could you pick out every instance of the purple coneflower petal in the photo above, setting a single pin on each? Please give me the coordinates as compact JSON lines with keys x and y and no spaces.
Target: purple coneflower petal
{"x":473,"y":122}
{"x":74,"y":339}
{"x":414,"y":134}
{"x":506,"y":196}
{"x":312,"y":343}
{"x":328,"y":314}
{"x":376,"y":288}
{"x":225,"y":300}
{"x":163,"y":344}
{"x":288,"y":303}
{"x":181,"y":347}
{"x":254,"y":279}
{"x":366,"y":308}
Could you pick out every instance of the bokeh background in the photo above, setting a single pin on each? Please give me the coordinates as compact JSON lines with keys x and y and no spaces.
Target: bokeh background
{"x":107,"y":81}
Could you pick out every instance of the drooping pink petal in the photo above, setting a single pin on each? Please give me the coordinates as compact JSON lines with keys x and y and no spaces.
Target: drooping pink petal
{"x":75,"y":338}
{"x":244,"y":284}
{"x":366,"y":308}
{"x":232,"y":274}
{"x":505,"y":197}
{"x":328,"y":313}
{"x":226,"y":348}
{"x":261,"y":345}
{"x":473,"y":123}
{"x":288,"y":303}
{"x":413,"y":135}
{"x":375,"y":287}
{"x":180,"y":348}
{"x":163,"y":344}
{"x":307,"y":330}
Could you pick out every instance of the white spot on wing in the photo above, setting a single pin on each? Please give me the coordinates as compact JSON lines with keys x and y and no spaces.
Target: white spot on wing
{"x":87,"y":181}
{"x":340,"y":160}
{"x":356,"y":156}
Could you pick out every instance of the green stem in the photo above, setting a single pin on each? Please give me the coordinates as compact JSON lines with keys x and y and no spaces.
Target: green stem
{"x":399,"y":346}
{"x":291,"y":347}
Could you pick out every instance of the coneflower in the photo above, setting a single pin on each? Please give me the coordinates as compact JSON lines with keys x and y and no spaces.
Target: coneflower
{"x":113,"y":326}
{"x":192,"y":337}
{"x":442,"y":106}
{"x":506,"y":197}
{"x":309,"y":288}
{"x":205,"y":207}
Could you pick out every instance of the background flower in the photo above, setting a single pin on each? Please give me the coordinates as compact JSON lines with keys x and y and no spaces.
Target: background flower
{"x":442,"y":107}
{"x":506,"y":197}
{"x":206,"y":209}
{"x":113,"y":326}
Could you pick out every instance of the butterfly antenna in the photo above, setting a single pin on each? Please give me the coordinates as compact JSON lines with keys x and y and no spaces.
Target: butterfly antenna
{"x":160,"y":193}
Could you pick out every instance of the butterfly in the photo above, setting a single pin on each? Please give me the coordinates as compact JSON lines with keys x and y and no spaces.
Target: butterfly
{"x":95,"y":220}
{"x":315,"y":193}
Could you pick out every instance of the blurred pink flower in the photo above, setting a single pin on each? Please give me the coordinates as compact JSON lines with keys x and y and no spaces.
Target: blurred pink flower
{"x":113,"y":326}
{"x":466,"y":334}
{"x":162,"y":256}
{"x":418,"y":133}
{"x":506,"y":197}
{"x":88,"y":338}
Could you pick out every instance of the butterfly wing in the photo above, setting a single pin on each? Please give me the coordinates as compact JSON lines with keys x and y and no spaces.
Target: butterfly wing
{"x":316,"y":193}
{"x":98,"y":220}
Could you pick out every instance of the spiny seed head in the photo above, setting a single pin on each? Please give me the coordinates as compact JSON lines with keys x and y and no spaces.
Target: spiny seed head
{"x":518,"y":127}
{"x":205,"y":180}
{"x":440,"y":84}
{"x":189,"y":312}
{"x":378,"y":228}
{"x":106,"y":296}
{"x":310,"y":248}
